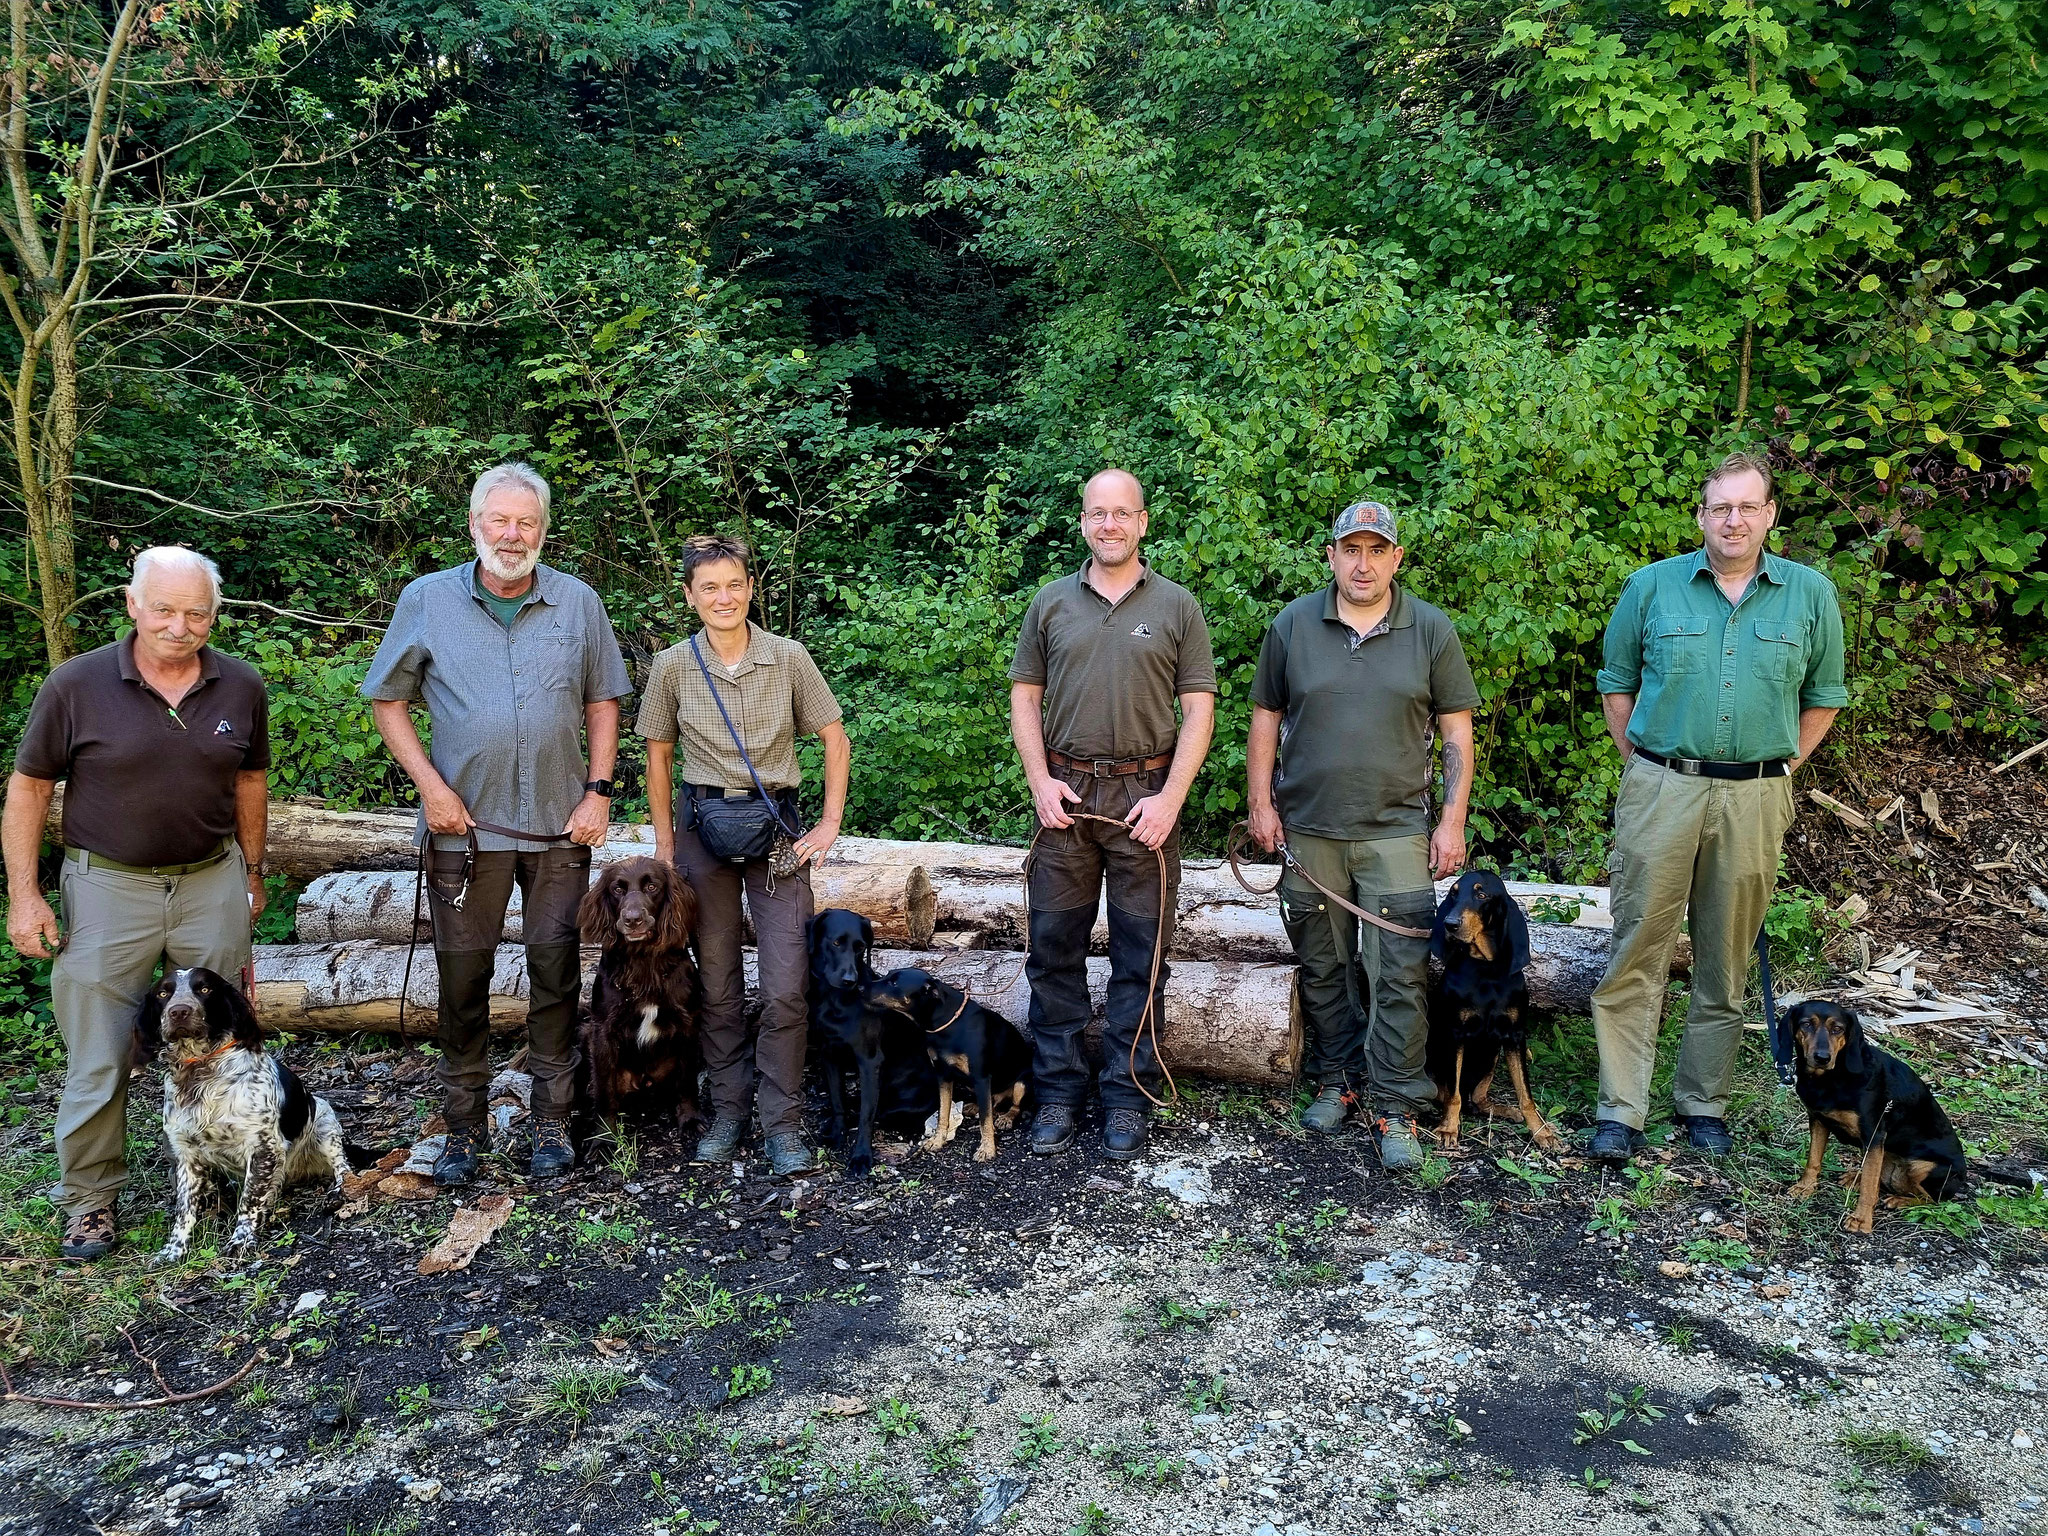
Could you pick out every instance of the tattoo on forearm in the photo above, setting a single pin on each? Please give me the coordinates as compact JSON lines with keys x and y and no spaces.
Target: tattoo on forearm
{"x":1454,"y":770}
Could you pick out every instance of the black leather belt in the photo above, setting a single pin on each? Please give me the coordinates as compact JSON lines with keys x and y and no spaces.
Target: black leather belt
{"x":1695,"y":768}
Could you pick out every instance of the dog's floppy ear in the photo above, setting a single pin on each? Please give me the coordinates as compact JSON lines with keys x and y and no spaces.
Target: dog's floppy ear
{"x":679,"y":911}
{"x":227,"y":1007}
{"x":149,"y":1029}
{"x":867,"y":949}
{"x":1855,"y":1050}
{"x":594,"y":916}
{"x":1517,"y":923}
{"x":1436,"y":929}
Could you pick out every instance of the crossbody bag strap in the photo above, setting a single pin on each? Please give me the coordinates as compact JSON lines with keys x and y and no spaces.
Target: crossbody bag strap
{"x":760,"y":788}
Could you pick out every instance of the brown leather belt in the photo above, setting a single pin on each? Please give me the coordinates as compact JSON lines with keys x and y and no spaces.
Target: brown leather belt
{"x":1107,"y":767}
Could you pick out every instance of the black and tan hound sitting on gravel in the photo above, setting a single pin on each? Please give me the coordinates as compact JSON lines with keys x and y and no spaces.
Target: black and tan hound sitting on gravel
{"x":849,"y":1033}
{"x":1877,"y":1104}
{"x":972,"y":1048}
{"x":1479,"y":1011}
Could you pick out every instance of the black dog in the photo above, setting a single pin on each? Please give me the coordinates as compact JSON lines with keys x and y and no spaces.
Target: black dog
{"x":848,"y":1033}
{"x":970,"y":1047}
{"x":640,"y":1048}
{"x":1479,"y":1012}
{"x":231,"y":1109}
{"x":1876,"y":1103}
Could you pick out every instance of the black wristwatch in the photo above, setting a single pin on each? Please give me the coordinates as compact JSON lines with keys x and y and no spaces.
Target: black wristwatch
{"x":598,"y":787}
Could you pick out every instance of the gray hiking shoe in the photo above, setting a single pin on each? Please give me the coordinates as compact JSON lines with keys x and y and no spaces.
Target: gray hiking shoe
{"x":1400,"y":1152}
{"x":787,"y":1154}
{"x":1326,"y":1116}
{"x":718,"y":1144}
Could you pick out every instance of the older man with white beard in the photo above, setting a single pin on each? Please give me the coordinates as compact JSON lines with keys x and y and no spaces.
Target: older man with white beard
{"x":514,"y":661}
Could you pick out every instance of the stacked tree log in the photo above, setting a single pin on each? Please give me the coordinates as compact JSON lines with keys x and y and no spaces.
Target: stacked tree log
{"x":1230,"y":1009}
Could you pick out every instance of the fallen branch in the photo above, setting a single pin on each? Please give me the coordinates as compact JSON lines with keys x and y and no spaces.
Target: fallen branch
{"x":118,"y":1406}
{"x":2033,"y":751}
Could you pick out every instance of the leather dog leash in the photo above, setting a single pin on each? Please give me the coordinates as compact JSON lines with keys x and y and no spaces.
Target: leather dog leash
{"x":1238,"y":835}
{"x":423,"y":880}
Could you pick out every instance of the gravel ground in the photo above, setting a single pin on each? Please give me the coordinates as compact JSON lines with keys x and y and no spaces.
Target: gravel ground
{"x":1253,"y":1333}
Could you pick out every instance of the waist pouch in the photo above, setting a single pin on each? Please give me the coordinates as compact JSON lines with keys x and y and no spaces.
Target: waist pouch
{"x":738,"y":829}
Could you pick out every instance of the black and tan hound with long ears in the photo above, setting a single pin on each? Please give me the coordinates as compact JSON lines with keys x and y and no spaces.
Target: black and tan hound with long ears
{"x":1877,"y":1104}
{"x":1479,"y":1012}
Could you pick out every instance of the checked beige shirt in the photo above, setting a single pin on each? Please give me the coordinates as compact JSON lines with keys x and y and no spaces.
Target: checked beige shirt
{"x":774,"y":695}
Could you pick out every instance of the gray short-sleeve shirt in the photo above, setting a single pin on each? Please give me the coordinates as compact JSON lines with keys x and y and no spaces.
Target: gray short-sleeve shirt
{"x":506,"y":704}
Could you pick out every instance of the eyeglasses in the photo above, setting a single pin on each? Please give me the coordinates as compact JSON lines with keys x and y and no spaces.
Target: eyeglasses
{"x":1748,"y":511}
{"x":1100,"y":515}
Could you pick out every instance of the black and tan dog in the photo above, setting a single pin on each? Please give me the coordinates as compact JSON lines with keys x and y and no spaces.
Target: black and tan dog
{"x":1877,"y":1104}
{"x":849,"y":1033}
{"x":640,"y":1050}
{"x":1479,"y":1011}
{"x":971,"y":1047}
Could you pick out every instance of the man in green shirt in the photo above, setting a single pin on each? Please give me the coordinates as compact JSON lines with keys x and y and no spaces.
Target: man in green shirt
{"x":1723,"y":672}
{"x":1349,"y":682}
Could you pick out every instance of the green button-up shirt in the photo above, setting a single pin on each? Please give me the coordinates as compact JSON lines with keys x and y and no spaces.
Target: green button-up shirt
{"x":1719,"y":681}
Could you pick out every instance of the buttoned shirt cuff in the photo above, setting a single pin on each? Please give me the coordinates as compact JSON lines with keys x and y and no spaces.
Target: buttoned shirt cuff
{"x":1617,"y":682}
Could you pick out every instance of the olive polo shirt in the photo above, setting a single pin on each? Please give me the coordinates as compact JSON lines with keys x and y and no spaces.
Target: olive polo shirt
{"x":1356,"y":713}
{"x":144,"y":783}
{"x":1720,"y":681}
{"x":1112,"y":672}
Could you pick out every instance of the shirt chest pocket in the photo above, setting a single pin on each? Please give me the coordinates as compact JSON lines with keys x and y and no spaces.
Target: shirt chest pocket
{"x":1780,"y":650}
{"x":1678,"y":645}
{"x":558,"y":661}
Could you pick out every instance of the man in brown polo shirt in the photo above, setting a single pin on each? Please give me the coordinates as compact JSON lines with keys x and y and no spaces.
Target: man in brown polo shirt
{"x":1102,"y":658}
{"x":163,"y":745}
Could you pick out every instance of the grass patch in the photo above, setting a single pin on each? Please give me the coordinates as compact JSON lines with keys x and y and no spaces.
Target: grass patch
{"x":572,"y":1393}
{"x":1892,"y":1448}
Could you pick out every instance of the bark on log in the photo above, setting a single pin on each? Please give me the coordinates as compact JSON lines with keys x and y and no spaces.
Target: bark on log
{"x":1231,"y":1021}
{"x":378,"y":904}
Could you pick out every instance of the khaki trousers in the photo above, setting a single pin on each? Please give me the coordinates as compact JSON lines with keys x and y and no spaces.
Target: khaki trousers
{"x":1377,"y":1034}
{"x":1702,"y":850}
{"x":117,"y":927}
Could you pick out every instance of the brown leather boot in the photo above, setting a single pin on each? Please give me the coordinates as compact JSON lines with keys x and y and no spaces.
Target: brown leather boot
{"x":89,"y":1235}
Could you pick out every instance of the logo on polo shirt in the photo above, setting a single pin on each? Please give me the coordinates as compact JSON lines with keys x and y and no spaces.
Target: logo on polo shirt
{"x":1143,"y":632}
{"x":225,"y":728}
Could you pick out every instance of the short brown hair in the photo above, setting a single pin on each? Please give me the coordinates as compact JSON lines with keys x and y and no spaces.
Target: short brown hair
{"x":1742,"y":462}
{"x":709,"y":549}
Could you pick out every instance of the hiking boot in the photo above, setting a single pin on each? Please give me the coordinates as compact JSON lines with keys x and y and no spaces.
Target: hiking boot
{"x":1054,"y":1130}
{"x":553,"y":1155}
{"x":1614,"y":1142}
{"x":718,"y":1144}
{"x":88,"y":1235}
{"x":1400,"y":1152}
{"x":787,"y":1154}
{"x":1326,"y":1116}
{"x":457,"y":1162}
{"x":1708,"y":1134}
{"x":1123,"y":1134}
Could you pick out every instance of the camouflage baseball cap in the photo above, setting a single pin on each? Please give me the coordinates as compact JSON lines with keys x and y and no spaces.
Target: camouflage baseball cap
{"x":1364,"y":517}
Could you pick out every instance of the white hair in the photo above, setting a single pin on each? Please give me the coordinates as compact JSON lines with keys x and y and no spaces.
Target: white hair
{"x":525,"y":476}
{"x":169,"y":559}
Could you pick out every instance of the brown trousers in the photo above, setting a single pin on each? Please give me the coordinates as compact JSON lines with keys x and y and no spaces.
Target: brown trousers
{"x":780,"y":909}
{"x":551,"y":886}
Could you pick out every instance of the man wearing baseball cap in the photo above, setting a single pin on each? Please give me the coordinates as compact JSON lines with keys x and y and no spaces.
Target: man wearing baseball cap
{"x":1354,"y":683}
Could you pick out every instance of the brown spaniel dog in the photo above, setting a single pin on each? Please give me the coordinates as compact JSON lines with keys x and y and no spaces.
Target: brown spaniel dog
{"x":640,"y":1041}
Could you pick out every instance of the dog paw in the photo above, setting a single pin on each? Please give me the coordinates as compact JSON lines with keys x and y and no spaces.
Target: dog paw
{"x":932,"y":1144}
{"x":860,"y":1165}
{"x":1858,"y":1223}
{"x":1803,"y":1190}
{"x":1547,"y":1140}
{"x":241,"y":1237}
{"x":170,"y":1253}
{"x":984,"y":1154}
{"x":1447,"y":1141}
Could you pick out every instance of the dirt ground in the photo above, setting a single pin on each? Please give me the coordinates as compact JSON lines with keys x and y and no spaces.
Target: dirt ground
{"x":1252,"y":1333}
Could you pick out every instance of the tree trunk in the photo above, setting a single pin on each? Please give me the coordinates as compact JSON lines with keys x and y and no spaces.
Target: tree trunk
{"x":1231,"y":1021}
{"x":378,"y":904}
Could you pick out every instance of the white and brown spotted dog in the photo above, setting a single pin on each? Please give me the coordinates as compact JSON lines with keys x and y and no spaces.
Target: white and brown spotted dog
{"x":230,"y":1108}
